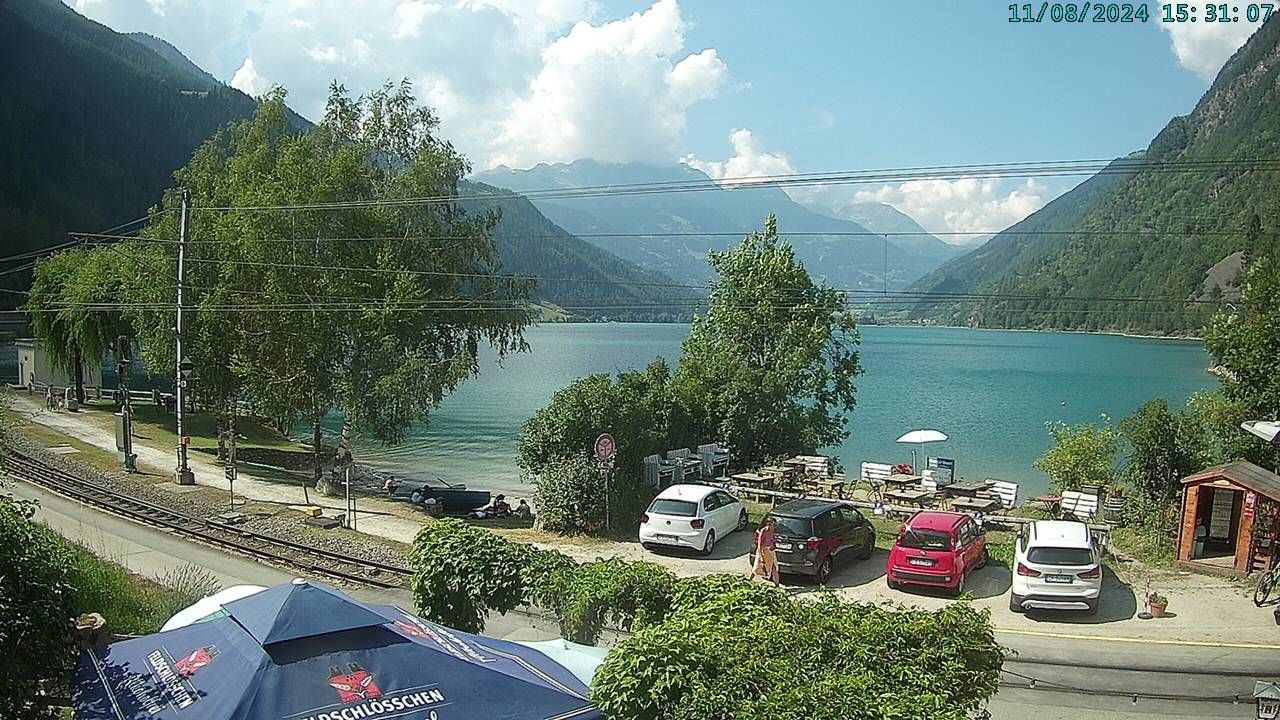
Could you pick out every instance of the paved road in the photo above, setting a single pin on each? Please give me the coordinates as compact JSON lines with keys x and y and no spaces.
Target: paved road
{"x":1075,"y":678}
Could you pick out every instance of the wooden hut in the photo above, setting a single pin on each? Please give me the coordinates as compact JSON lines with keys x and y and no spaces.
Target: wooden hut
{"x":1228,"y":519}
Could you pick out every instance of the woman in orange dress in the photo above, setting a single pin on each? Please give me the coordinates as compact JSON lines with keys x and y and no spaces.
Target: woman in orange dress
{"x":766,"y":561}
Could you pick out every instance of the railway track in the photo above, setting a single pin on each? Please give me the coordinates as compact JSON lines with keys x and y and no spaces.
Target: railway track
{"x":274,"y":550}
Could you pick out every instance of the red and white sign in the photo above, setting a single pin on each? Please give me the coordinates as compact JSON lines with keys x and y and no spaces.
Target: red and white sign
{"x":606,"y":448}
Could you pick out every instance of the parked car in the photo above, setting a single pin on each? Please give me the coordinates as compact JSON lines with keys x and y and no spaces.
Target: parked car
{"x":691,"y":516}
{"x":937,"y":549}
{"x":814,"y":537}
{"x":1057,"y":566}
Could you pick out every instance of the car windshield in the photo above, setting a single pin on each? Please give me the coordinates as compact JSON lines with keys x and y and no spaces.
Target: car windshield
{"x":794,"y":527}
{"x":1060,"y":556}
{"x":679,"y":508}
{"x":925,"y":540}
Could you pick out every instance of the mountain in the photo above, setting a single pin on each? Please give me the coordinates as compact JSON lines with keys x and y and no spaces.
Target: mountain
{"x":1037,"y":235}
{"x":671,"y":232}
{"x":1150,"y":232}
{"x":96,"y":122}
{"x":578,"y":277}
{"x":904,"y":231}
{"x":193,"y":73}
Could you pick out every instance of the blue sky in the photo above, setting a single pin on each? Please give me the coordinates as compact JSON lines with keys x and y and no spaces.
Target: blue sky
{"x":913,"y":83}
{"x":733,"y":88}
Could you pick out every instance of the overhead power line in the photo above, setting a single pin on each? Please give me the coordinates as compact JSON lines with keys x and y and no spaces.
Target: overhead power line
{"x":891,"y":175}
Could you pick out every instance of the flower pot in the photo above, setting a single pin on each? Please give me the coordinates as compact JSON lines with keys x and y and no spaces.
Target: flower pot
{"x":1157,"y":609}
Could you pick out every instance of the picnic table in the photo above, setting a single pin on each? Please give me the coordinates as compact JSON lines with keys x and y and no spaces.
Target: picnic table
{"x":920,"y":498}
{"x":826,"y":487}
{"x":968,"y":488}
{"x":752,"y":479}
{"x":977,"y":504}
{"x":903,"y":480}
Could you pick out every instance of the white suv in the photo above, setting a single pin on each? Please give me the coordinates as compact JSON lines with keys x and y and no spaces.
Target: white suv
{"x":1057,"y":566}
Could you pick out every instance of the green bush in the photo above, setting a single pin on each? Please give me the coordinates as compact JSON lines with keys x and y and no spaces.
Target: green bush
{"x":626,"y":594}
{"x":569,"y":493}
{"x":461,"y":573}
{"x":555,"y":445}
{"x":37,"y":603}
{"x":751,"y":654}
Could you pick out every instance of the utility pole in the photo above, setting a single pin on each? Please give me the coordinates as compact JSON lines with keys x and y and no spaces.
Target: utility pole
{"x":231,"y":468}
{"x":183,"y":474}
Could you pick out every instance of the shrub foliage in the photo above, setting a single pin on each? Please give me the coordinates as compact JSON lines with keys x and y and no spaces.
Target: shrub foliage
{"x":718,"y":646}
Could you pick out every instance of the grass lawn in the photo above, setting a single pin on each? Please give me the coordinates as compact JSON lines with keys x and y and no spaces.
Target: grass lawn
{"x":157,"y":427}
{"x":90,"y":455}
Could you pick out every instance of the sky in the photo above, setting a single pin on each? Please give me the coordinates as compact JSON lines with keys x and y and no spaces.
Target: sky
{"x":737,"y":88}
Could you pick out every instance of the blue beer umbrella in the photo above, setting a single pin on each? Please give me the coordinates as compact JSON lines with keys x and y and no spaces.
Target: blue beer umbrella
{"x":305,"y":651}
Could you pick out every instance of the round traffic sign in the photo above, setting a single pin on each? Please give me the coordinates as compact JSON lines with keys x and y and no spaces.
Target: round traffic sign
{"x":605,"y":447}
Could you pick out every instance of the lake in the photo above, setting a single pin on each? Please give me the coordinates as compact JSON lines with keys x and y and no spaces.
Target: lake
{"x":991,"y":391}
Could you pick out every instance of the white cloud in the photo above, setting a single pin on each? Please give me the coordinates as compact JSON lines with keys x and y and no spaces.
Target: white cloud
{"x":408,"y":18}
{"x":750,"y":160}
{"x":1203,"y":47}
{"x":517,"y":81}
{"x":968,"y":205}
{"x":614,"y":92}
{"x":327,"y":54}
{"x":248,"y":81}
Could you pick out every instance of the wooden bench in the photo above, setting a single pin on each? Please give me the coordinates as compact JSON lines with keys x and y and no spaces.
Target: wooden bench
{"x":1080,"y":505}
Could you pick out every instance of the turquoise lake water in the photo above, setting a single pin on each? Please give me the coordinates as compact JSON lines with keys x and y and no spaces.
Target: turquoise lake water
{"x":991,"y":391}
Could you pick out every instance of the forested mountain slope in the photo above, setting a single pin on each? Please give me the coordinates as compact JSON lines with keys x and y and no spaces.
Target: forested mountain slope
{"x":1154,"y":233}
{"x":671,"y":232}
{"x":95,"y":122}
{"x":581,"y":278}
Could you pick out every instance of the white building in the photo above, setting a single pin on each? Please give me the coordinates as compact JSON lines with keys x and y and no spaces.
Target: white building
{"x":36,"y":369}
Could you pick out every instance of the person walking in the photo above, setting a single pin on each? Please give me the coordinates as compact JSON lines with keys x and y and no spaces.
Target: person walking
{"x":766,"y":561}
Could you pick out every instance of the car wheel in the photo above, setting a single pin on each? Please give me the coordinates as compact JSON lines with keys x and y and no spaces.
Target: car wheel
{"x":742,"y":520}
{"x":710,"y":543}
{"x":1093,"y":607}
{"x":868,"y":549}
{"x":824,"y":572}
{"x":958,"y":590}
{"x":892,"y":585}
{"x":1015,"y":605}
{"x":986,"y":558}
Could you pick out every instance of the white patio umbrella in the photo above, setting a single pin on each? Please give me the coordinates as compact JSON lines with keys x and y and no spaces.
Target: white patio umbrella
{"x":207,"y":608}
{"x":1268,"y":430}
{"x":581,"y":660}
{"x":920,"y":437}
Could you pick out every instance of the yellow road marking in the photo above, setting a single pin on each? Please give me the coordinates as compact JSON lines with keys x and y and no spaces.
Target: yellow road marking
{"x":1144,"y":641}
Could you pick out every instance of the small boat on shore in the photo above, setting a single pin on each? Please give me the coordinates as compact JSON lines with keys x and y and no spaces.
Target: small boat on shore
{"x":455,"y":498}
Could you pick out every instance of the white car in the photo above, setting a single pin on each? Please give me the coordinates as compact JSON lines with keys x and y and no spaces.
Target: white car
{"x":691,"y":516}
{"x":1057,"y":566}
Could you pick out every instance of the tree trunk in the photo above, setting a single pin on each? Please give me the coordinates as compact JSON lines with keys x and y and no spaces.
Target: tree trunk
{"x":78,"y":358}
{"x":317,"y":462}
{"x":342,"y":461}
{"x":219,"y":427}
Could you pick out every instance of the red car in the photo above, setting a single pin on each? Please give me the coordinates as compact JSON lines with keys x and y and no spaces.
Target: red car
{"x":937,"y":549}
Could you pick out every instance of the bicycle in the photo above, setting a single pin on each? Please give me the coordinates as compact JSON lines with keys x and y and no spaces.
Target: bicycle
{"x":1267,"y":582}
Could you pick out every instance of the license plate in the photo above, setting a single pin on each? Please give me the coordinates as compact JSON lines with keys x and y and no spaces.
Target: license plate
{"x":922,"y":562}
{"x":1059,"y":579}
{"x":666,"y":538}
{"x":781,"y":546}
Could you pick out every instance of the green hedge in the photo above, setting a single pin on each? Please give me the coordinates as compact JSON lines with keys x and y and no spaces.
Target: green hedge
{"x":719,"y":646}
